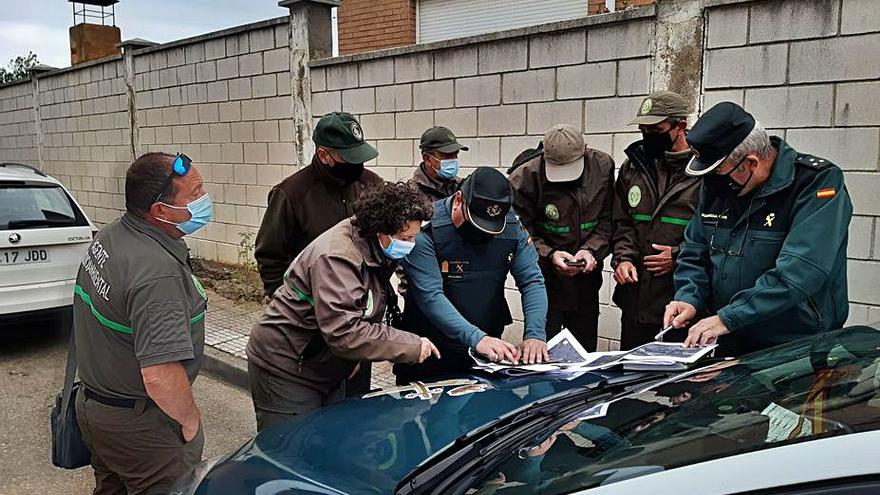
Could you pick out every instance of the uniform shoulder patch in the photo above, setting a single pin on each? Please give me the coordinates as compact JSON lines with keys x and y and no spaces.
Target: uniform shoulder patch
{"x":812,"y":161}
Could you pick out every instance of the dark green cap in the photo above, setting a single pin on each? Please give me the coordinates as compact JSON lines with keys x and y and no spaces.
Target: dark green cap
{"x":659,"y":106}
{"x":340,"y":131}
{"x":439,"y":138}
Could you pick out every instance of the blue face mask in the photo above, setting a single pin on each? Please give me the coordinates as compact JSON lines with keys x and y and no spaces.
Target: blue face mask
{"x":201,"y":212}
{"x":448,"y":169}
{"x":397,"y":249}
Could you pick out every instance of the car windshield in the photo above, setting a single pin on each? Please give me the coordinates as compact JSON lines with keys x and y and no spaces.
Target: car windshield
{"x":29,"y":206}
{"x":814,"y":388}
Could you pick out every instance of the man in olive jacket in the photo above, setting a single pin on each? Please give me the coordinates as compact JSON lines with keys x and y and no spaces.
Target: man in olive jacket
{"x":765,"y":255}
{"x":564,"y":199}
{"x":653,"y":203}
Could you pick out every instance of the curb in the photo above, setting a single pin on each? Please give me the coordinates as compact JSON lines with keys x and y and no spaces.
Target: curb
{"x":226,"y":367}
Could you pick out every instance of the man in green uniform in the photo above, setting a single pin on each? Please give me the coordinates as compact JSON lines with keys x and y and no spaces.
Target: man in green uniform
{"x":563,"y":198}
{"x":765,"y":255}
{"x":653,"y":202}
{"x":437,"y":176}
{"x":140,"y":331}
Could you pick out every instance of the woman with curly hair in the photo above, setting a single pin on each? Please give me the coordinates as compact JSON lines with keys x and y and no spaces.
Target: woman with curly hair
{"x":328,"y":315}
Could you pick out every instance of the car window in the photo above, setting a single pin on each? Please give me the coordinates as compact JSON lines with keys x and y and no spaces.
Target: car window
{"x":810,"y":389}
{"x":28,"y":206}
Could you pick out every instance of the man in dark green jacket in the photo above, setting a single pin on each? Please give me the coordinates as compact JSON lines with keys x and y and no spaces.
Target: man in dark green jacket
{"x":765,"y":254}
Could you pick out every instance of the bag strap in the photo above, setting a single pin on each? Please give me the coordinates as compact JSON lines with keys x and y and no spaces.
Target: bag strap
{"x":69,"y":374}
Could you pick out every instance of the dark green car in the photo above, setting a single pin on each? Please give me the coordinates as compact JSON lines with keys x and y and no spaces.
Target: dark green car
{"x":615,"y":432}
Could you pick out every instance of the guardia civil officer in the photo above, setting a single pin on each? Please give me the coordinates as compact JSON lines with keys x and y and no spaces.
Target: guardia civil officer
{"x":654,"y":201}
{"x":315,"y":198}
{"x":437,"y":175}
{"x":765,"y":255}
{"x":328,"y":315}
{"x":139,"y":321}
{"x":456,"y":277}
{"x":563,"y":197}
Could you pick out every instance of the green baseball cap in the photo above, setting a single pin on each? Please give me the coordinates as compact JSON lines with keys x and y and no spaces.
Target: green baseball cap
{"x":439,"y":138}
{"x":340,"y":131}
{"x":659,"y":106}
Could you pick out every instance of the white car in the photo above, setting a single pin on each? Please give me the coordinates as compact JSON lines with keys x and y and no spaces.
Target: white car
{"x":44,"y":235}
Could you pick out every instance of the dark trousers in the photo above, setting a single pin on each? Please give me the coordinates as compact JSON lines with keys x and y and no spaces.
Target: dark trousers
{"x":276,"y":399}
{"x":583,"y":323}
{"x":137,"y":450}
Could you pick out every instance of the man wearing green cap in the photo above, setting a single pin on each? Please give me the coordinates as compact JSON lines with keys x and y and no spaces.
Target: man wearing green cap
{"x":653,"y":202}
{"x":315,"y":198}
{"x":765,"y":255}
{"x":437,"y":175}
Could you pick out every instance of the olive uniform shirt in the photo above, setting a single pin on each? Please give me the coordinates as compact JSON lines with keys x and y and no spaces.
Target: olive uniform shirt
{"x":136,"y":304}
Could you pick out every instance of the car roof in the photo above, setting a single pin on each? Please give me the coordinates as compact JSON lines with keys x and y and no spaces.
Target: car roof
{"x":20,"y":171}
{"x":803,"y":462}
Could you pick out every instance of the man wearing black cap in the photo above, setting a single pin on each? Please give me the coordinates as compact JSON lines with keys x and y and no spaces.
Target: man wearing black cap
{"x":456,"y":277}
{"x":563,"y":196}
{"x":437,"y":175}
{"x":654,"y":201}
{"x":312,"y":200}
{"x":765,"y":255}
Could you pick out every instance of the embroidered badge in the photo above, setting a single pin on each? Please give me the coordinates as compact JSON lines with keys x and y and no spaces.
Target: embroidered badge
{"x":635,"y":196}
{"x":356,"y":131}
{"x":493,"y":210}
{"x":646,"y":106}
{"x":551,"y":212}
{"x":768,"y":222}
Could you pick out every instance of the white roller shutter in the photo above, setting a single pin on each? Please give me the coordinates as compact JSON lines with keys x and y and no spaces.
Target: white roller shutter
{"x":446,"y":19}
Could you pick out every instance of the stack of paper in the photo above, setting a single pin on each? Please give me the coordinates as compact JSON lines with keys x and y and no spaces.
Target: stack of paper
{"x":664,"y":356}
{"x":568,"y":356}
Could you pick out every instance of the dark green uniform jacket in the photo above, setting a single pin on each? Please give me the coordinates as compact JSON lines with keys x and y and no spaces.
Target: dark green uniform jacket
{"x":302,"y":207}
{"x":653,"y":203}
{"x":569,"y":216}
{"x":777,"y":271}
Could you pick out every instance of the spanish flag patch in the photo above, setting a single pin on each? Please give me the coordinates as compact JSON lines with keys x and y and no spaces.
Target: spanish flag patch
{"x":826,"y":193}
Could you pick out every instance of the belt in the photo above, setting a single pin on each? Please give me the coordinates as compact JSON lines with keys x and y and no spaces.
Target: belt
{"x":111,"y":401}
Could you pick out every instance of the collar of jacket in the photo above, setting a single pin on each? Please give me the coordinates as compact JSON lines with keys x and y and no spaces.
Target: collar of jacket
{"x":368,"y":248}
{"x":678,"y":160}
{"x":422,"y":178}
{"x":782,"y":173}
{"x":177,"y":247}
{"x":323,"y":172}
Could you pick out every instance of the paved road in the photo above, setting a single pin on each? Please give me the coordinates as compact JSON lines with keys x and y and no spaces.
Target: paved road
{"x":31,"y":371}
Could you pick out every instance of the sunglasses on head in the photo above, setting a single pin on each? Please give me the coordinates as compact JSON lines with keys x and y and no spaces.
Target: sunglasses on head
{"x":179,"y":168}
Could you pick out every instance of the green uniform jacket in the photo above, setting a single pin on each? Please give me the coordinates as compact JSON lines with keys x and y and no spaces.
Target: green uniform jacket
{"x":776,"y":272}
{"x":653,"y":202}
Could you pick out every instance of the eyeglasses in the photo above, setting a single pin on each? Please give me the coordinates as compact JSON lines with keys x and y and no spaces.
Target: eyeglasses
{"x":724,"y":250}
{"x":180,"y":167}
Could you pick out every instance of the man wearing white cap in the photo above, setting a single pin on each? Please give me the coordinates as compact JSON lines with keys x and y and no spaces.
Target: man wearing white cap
{"x":564,"y":198}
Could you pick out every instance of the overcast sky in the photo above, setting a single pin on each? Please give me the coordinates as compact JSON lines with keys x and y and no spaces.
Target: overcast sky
{"x":41,"y":25}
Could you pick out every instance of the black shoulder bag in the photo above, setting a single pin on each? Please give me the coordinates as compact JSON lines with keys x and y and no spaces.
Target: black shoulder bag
{"x":68,"y":449}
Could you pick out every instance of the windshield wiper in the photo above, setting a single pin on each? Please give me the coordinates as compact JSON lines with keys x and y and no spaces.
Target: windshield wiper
{"x":20,"y":224}
{"x":445,"y":471}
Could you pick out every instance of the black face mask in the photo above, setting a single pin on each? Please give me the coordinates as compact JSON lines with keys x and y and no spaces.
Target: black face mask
{"x":656,"y":145}
{"x":347,"y":172}
{"x":725,"y":186}
{"x":472,"y":234}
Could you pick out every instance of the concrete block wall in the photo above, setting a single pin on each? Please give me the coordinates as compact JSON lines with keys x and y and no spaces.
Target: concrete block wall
{"x":85,"y":134}
{"x":18,"y":136}
{"x":810,"y":71}
{"x":499,"y":95}
{"x":225,"y":102}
